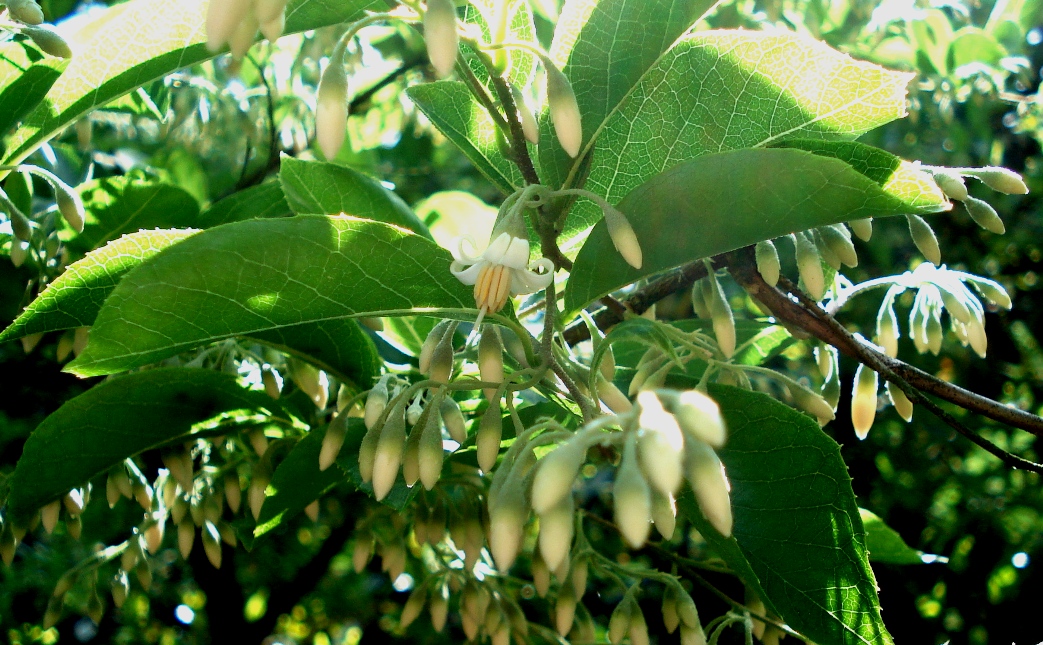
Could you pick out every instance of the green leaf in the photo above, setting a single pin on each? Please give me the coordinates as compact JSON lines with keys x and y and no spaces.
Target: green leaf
{"x":974,"y":47}
{"x":339,"y":346}
{"x":25,"y":76}
{"x":727,"y":90}
{"x":796,"y":521}
{"x":605,"y":48}
{"x":75,"y":297}
{"x":520,"y":65}
{"x":117,"y":419}
{"x":318,"y":188}
{"x":887,"y":546}
{"x":135,"y":43}
{"x":297,"y":481}
{"x":457,"y":115}
{"x":257,"y":202}
{"x":258,"y":276}
{"x":725,"y":201}
{"x":116,"y":206}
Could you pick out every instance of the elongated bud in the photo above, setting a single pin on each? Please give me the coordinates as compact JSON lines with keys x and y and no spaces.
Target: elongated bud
{"x":838,"y":239}
{"x":540,"y":574}
{"x":490,"y":430}
{"x":273,"y":29}
{"x":453,"y":419}
{"x":333,"y":440}
{"x":564,"y":110}
{"x":490,"y":359}
{"x":271,"y":384}
{"x":186,"y":537}
{"x":69,"y":205}
{"x":53,"y":613}
{"x":612,"y":397}
{"x":700,"y":304}
{"x":863,"y":401}
{"x":441,"y":36}
{"x":432,"y":340}
{"x":431,"y":454}
{"x":924,"y":238}
{"x":19,"y":253}
{"x":992,"y":291}
{"x":622,"y":235}
{"x":233,"y":493}
{"x":258,"y":441}
{"x":1001,"y":180}
{"x":862,"y":228}
{"x":619,"y":622}
{"x":211,"y":543}
{"x":565,"y":609}
{"x":933,"y":328}
{"x":26,"y":11}
{"x":267,"y":10}
{"x":977,"y":337}
{"x":768,"y":263}
{"x":699,"y":416}
{"x":707,"y":479}
{"x":376,"y":402}
{"x":824,"y":250}
{"x":441,"y":364}
{"x":984,"y":215}
{"x":415,"y":409}
{"x":638,"y":630}
{"x":222,"y":18}
{"x":331,"y":105}
{"x":311,"y":381}
{"x":49,"y":515}
{"x":256,"y":494}
{"x":669,"y":609}
{"x":809,"y":265}
{"x":411,"y":610}
{"x":953,"y":299}
{"x":388,"y":456}
{"x":721,"y":316}
{"x":120,"y":588}
{"x":242,"y":39}
{"x":887,"y":328}
{"x":49,"y":41}
{"x":556,"y":473}
{"x":812,"y":403}
{"x":526,"y":118}
{"x":154,"y":534}
{"x":951,"y":184}
{"x":507,"y":525}
{"x":362,"y":551}
{"x":660,"y":445}
{"x":632,"y":498}
{"x":556,"y":532}
{"x":903,"y":406}
{"x":439,"y":610}
{"x":664,"y":514}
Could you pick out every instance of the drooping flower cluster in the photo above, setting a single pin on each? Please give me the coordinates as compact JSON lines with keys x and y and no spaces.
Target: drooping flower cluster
{"x":236,"y":23}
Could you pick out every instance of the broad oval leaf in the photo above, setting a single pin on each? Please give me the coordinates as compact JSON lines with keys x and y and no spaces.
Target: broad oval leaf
{"x":721,"y":202}
{"x":797,"y":526}
{"x":76,"y":296}
{"x":256,"y":202}
{"x":263,"y":276}
{"x":117,"y":419}
{"x":319,"y":188}
{"x":138,"y":42}
{"x":728,"y":90}
{"x":25,"y":77}
{"x":459,"y":116}
{"x":887,"y":546}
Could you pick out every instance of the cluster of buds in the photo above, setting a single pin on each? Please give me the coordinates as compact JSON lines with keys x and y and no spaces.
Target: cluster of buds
{"x":709,"y":302}
{"x":950,"y":181}
{"x":485,"y":610}
{"x":236,"y":23}
{"x":26,"y":232}
{"x":30,"y":16}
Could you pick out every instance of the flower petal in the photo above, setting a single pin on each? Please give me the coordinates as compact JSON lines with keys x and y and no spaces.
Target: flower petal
{"x":517,"y":254}
{"x":463,"y":256}
{"x":525,"y":281}
{"x":497,"y":249}
{"x":467,"y":275}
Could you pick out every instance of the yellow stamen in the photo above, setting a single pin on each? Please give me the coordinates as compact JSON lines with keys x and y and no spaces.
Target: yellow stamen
{"x":492,"y":287}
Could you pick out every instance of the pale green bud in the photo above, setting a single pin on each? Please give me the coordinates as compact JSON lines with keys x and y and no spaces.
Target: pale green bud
{"x":809,"y":265}
{"x":430,"y":450}
{"x":992,"y":291}
{"x":52,"y":614}
{"x":19,"y":253}
{"x":311,"y":381}
{"x":564,"y":110}
{"x":490,"y":360}
{"x":186,"y":537}
{"x":453,"y":418}
{"x":812,"y":403}
{"x":439,"y":610}
{"x":556,"y":473}
{"x":556,"y":529}
{"x":649,"y":363}
{"x":700,"y":303}
{"x":233,"y":494}
{"x":388,"y":456}
{"x":933,"y":330}
{"x":540,"y":574}
{"x":432,"y":340}
{"x":660,"y":445}
{"x":26,"y":11}
{"x":623,"y":237}
{"x":331,"y":105}
{"x":256,"y":494}
{"x":258,"y":441}
{"x":838,"y":240}
{"x":69,"y":205}
{"x":664,"y":513}
{"x":242,"y":39}
{"x":526,"y":118}
{"x":903,"y":406}
{"x":222,"y":19}
{"x":612,"y":397}
{"x":49,"y":515}
{"x":699,"y":416}
{"x":271,"y":384}
{"x":507,"y":525}
{"x":977,"y":337}
{"x":862,"y":228}
{"x":333,"y":440}
{"x":441,"y":363}
{"x":441,"y":37}
{"x":863,"y":400}
{"x":924,"y":238}
{"x":632,"y":498}
{"x":887,"y":328}
{"x":120,"y":588}
{"x":951,"y":184}
{"x":490,"y":430}
{"x":722,"y":318}
{"x":669,"y":609}
{"x":411,"y":610}
{"x":211,"y":543}
{"x":687,"y":612}
{"x":984,"y":215}
{"x":692,"y":635}
{"x":362,"y":551}
{"x":825,"y":251}
{"x":768,"y":263}
{"x":638,"y":630}
{"x":376,"y":403}
{"x":267,"y":10}
{"x":565,"y":609}
{"x":707,"y":479}
{"x":1001,"y":180}
{"x":619,"y":622}
{"x":578,"y":570}
{"x":49,"y":41}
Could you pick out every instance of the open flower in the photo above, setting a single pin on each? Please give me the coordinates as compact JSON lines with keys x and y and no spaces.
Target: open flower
{"x":501,"y":270}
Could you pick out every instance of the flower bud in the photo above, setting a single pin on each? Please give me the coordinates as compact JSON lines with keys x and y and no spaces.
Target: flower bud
{"x":863,"y":400}
{"x":903,"y":406}
{"x":721,"y":316}
{"x":649,"y":363}
{"x":977,"y":338}
{"x":69,"y":205}
{"x":441,"y":36}
{"x":507,"y":525}
{"x":700,"y":304}
{"x":233,"y":493}
{"x":632,"y":498}
{"x":664,"y":514}
{"x":564,"y":110}
{"x":612,"y":397}
{"x":53,"y":613}
{"x":540,"y":574}
{"x":924,"y":238}
{"x":984,"y":215}
{"x":660,"y":444}
{"x":431,"y":453}
{"x":556,"y":531}
{"x":1002,"y":180}
{"x":933,"y":330}
{"x":809,"y":265}
{"x":992,"y":291}
{"x":154,"y":533}
{"x":186,"y":537}
{"x":211,"y":543}
{"x":333,"y":440}
{"x":824,"y":250}
{"x":490,"y":430}
{"x":812,"y":403}
{"x":439,"y":610}
{"x":256,"y":494}
{"x":120,"y":588}
{"x":490,"y":360}
{"x":19,"y":253}
{"x":258,"y":441}
{"x":441,"y":363}
{"x":710,"y":485}
{"x":699,"y":416}
{"x":526,"y":118}
{"x":242,"y":39}
{"x":267,"y":10}
{"x":838,"y":240}
{"x":767,"y":264}
{"x":951,"y":184}
{"x":887,"y":328}
{"x":619,"y":622}
{"x":222,"y":18}
{"x":556,"y":473}
{"x":331,"y":105}
{"x":271,"y":384}
{"x":50,"y":42}
{"x":411,"y":610}
{"x":415,"y":409}
{"x":376,"y":402}
{"x":669,"y":609}
{"x":362,"y":551}
{"x":862,"y":228}
{"x":453,"y":419}
{"x":26,"y":11}
{"x":622,"y":235}
{"x":565,"y":609}
{"x":388,"y":456}
{"x":49,"y":515}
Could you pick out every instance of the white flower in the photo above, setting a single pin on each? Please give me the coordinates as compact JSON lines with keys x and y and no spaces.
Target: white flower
{"x":501,"y":270}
